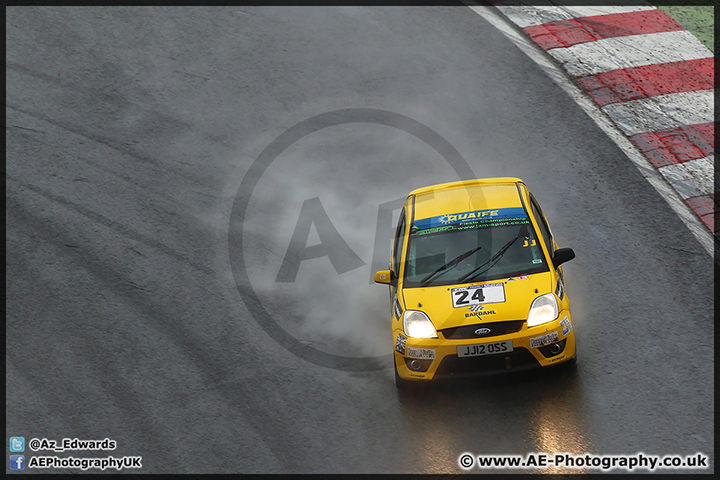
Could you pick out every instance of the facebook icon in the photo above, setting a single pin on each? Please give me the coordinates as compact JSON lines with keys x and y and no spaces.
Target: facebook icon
{"x":17,"y":462}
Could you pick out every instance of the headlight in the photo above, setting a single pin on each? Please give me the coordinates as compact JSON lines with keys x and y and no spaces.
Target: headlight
{"x":418,"y":325}
{"x":544,"y":309}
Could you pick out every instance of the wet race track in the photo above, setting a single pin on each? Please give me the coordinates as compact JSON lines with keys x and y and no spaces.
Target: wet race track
{"x":170,"y":172}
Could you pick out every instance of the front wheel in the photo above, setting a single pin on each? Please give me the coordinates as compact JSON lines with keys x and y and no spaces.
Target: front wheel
{"x":401,"y":383}
{"x":573,"y":361}
{"x":570,"y":364}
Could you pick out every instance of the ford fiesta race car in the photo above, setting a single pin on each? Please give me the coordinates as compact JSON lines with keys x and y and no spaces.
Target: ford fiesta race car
{"x":476,"y":283}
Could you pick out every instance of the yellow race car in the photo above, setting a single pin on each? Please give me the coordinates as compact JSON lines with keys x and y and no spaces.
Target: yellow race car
{"x":476,"y":283}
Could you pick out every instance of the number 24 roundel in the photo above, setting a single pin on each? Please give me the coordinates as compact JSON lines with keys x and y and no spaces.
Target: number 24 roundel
{"x":478,"y":294}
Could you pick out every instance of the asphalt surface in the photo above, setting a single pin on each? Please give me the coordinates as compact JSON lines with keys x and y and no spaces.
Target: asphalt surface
{"x":130,"y":133}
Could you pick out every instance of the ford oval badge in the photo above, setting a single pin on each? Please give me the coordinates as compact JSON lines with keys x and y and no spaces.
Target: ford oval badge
{"x":482,"y":331}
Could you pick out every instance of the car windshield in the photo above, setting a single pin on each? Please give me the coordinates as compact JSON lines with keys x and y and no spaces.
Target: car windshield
{"x":472,"y":247}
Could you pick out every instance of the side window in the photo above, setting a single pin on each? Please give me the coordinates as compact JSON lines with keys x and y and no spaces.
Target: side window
{"x":544,"y":228}
{"x":397,"y":242}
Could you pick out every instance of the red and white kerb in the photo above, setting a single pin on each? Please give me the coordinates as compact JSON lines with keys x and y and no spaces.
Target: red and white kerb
{"x":653,"y":78}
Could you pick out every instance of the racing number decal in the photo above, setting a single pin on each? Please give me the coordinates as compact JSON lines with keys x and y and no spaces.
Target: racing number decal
{"x":477,"y":294}
{"x":463,"y":294}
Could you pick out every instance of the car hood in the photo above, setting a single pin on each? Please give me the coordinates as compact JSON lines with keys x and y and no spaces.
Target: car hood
{"x":520,"y":292}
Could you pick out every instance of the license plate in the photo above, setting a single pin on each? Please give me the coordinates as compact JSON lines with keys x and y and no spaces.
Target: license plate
{"x":478,"y":294}
{"x":485,"y":349}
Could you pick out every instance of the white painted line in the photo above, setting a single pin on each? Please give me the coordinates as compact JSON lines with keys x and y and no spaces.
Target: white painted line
{"x":647,"y":170}
{"x":537,"y":15}
{"x":615,"y":53}
{"x":691,"y":178}
{"x":663,"y":112}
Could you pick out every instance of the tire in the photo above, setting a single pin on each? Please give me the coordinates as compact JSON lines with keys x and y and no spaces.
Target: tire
{"x":400,"y":383}
{"x":573,"y":361}
{"x":570,"y":364}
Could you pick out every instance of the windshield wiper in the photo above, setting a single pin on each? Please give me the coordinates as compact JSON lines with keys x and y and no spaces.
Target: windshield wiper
{"x":449,"y":265}
{"x":496,"y":257}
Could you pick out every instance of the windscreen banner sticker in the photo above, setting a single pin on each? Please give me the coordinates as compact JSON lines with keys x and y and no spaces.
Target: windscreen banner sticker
{"x":551,"y":337}
{"x":468,"y":220}
{"x":478,"y":294}
{"x":566,"y":326}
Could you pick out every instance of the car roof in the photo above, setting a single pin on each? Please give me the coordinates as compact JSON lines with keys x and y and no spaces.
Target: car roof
{"x":467,"y":195}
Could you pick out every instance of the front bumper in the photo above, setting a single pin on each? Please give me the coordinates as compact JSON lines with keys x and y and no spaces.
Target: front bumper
{"x":528,"y":352}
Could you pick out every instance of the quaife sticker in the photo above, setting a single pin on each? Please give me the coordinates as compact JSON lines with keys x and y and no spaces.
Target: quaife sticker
{"x":400,"y":343}
{"x":421,"y":352}
{"x":471,"y":216}
{"x":566,"y":325}
{"x":470,"y":220}
{"x":543,"y":340}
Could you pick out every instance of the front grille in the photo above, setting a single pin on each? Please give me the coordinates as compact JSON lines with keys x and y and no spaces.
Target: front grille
{"x":453,"y":366}
{"x":496,"y":328}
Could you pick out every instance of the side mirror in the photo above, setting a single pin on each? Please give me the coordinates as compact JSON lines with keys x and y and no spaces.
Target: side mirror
{"x":384,"y":276}
{"x":562,"y":255}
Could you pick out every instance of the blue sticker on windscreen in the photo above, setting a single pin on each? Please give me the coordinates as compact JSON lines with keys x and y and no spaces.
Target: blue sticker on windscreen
{"x":476,"y":218}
